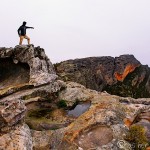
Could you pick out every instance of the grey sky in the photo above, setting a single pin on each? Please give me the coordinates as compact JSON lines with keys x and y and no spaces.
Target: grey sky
{"x":69,"y":29}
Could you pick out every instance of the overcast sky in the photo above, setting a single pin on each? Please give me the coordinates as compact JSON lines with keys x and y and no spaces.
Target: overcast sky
{"x":69,"y":29}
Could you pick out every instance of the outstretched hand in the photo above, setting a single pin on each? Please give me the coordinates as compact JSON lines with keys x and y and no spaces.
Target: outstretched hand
{"x":32,"y":27}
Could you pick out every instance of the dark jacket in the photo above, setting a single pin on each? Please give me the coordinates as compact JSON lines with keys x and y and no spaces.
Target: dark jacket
{"x":22,"y":30}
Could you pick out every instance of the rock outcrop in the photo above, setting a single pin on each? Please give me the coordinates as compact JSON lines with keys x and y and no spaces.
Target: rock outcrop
{"x":25,"y":64}
{"x":123,"y":75}
{"x":25,"y":74}
{"x":38,"y":112}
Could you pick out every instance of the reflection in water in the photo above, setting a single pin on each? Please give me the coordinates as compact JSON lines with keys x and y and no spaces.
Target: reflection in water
{"x":79,"y":109}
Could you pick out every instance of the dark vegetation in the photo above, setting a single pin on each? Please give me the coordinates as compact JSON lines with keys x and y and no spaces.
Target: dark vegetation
{"x":133,"y":85}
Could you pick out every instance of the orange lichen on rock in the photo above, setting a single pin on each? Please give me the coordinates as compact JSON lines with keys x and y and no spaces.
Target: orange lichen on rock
{"x":128,"y":69}
{"x":84,"y":121}
{"x":127,"y":122}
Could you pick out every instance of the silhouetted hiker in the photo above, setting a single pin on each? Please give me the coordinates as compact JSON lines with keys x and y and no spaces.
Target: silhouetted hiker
{"x":22,"y":33}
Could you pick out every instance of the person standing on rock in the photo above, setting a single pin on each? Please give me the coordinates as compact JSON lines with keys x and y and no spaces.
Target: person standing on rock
{"x":22,"y":33}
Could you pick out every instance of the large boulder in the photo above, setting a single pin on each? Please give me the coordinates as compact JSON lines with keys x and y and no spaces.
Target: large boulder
{"x":25,"y":64}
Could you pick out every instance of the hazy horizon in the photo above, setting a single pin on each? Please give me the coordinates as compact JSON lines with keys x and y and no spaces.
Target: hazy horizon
{"x":80,"y":28}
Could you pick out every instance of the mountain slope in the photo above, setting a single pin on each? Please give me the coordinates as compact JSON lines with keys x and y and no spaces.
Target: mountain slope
{"x":123,"y":75}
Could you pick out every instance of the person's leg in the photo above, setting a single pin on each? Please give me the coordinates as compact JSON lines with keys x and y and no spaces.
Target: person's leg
{"x":21,"y":39}
{"x":28,"y":39}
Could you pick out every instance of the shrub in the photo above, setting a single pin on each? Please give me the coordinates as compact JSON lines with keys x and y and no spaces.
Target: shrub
{"x":62,"y":104}
{"x":137,"y":137}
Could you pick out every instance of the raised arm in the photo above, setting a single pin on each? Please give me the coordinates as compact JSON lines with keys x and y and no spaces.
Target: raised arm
{"x":29,"y":27}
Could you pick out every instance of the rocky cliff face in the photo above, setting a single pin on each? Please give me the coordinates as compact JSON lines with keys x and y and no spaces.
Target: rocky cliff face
{"x":39,"y":112}
{"x":123,"y":75}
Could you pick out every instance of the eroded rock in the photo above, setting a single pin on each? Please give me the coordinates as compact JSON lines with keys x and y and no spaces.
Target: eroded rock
{"x":18,"y":138}
{"x":27,"y":64}
{"x":11,"y":112}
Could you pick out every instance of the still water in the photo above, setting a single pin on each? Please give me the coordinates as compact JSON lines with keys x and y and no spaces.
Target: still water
{"x":79,"y":109}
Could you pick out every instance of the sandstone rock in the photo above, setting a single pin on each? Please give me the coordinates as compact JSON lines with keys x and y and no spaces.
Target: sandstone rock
{"x":144,"y":116}
{"x":17,"y":139}
{"x":16,"y":102}
{"x":135,"y":85}
{"x":47,"y":140}
{"x":95,"y":137}
{"x":45,"y":91}
{"x":76,"y":92}
{"x":41,"y":139}
{"x":11,"y":112}
{"x":37,"y":67}
{"x":104,"y":117}
{"x":12,"y":89}
{"x":97,"y":121}
{"x":143,"y":119}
